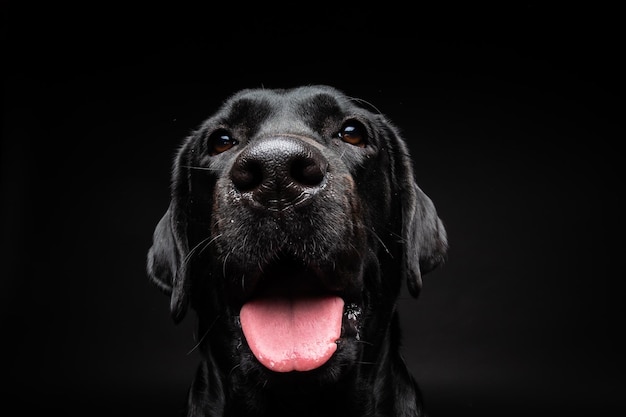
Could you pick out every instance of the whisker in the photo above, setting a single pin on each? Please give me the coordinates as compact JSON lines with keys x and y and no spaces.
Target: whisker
{"x":381,"y":241}
{"x":366,"y":103}
{"x":210,"y":241}
{"x":201,"y":246}
{"x":400,"y":238}
{"x":200,"y":168}
{"x":233,"y":368}
{"x":203,"y":336}
{"x":358,"y":252}
{"x":224,"y":263}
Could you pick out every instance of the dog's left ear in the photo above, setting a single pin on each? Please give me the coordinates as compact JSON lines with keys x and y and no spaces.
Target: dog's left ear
{"x":424,"y":237}
{"x":167,"y":266}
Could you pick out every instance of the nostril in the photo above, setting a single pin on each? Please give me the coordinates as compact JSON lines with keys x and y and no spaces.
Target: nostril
{"x":307,"y":171}
{"x":246,"y":175}
{"x":279,"y":172}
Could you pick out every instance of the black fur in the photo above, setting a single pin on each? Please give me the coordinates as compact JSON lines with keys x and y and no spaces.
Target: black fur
{"x":270,"y":184}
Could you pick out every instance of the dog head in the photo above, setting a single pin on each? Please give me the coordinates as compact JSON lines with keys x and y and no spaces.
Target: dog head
{"x":294,"y":219}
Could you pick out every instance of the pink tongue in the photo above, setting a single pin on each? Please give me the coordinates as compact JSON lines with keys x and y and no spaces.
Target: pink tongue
{"x":287,"y":334}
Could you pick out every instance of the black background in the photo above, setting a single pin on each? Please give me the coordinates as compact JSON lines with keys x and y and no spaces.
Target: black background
{"x":511,"y":117}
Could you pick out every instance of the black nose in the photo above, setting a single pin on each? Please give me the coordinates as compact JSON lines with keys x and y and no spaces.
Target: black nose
{"x":279,"y":172}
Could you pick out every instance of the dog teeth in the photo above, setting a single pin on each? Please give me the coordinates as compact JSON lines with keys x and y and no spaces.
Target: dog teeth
{"x":352,"y":314}
{"x":353,"y":311}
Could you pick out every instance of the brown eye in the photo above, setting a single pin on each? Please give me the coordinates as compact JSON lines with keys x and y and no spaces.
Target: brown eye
{"x":220,"y":141}
{"x":353,"y":133}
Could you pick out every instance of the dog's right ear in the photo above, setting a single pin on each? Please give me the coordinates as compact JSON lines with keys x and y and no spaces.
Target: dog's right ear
{"x":167,"y":258}
{"x":166,"y":262}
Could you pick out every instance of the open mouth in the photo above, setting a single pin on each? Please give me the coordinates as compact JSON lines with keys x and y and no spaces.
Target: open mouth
{"x":295,"y":318}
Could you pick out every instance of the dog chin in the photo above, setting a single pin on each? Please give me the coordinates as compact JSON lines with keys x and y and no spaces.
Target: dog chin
{"x":330,"y":373}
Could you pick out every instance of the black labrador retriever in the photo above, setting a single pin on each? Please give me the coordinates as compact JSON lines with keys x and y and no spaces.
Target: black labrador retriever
{"x":294,"y":218}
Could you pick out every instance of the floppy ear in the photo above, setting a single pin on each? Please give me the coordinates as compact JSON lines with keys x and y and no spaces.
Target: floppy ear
{"x":424,"y":237}
{"x":167,"y":266}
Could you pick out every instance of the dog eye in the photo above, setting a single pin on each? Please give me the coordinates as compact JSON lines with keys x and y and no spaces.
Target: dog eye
{"x":353,"y":133}
{"x":220,"y":141}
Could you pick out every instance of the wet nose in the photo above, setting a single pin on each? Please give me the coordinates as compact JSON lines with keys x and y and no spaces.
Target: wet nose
{"x":279,"y":172}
